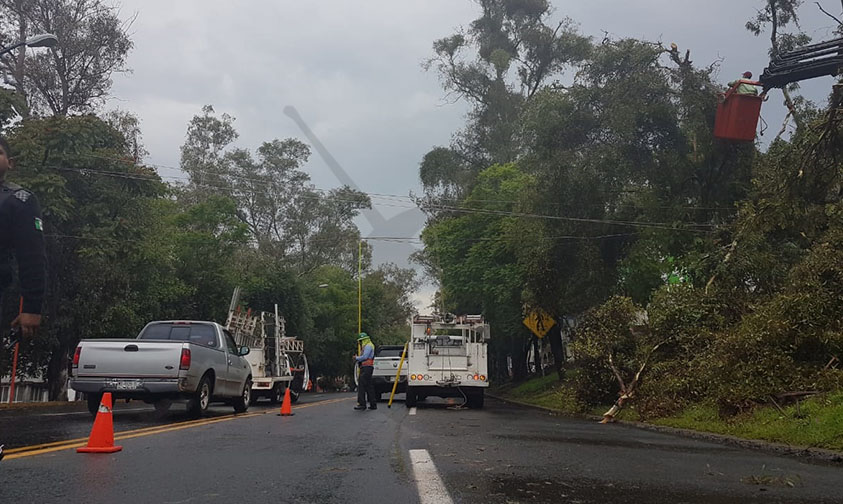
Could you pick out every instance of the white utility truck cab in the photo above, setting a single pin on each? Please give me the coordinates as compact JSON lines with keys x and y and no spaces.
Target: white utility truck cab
{"x":448,"y":357}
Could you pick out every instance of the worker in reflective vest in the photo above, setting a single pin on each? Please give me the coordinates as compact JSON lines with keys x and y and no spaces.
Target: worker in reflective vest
{"x":745,"y":87}
{"x":365,"y":385}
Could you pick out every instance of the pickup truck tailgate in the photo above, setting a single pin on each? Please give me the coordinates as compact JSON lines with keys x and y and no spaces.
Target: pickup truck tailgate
{"x":386,"y":365}
{"x":149,"y":359}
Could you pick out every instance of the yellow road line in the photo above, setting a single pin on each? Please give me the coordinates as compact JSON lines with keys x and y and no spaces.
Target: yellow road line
{"x":71,"y":441}
{"x":28,"y":451}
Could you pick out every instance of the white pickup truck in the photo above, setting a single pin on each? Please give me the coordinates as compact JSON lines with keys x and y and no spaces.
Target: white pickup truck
{"x":169,"y":360}
{"x":387,"y":359}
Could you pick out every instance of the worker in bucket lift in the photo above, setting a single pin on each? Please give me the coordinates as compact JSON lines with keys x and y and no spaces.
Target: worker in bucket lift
{"x":743,"y":86}
{"x":366,"y":361}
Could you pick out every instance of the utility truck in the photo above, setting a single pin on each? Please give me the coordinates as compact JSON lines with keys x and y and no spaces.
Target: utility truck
{"x":278,"y":362}
{"x":447,"y":356}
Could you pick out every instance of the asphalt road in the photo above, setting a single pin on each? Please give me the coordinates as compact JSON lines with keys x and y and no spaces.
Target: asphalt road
{"x":329,"y":453}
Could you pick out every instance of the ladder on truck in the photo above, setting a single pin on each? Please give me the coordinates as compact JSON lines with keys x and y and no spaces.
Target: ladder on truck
{"x":274,"y":356}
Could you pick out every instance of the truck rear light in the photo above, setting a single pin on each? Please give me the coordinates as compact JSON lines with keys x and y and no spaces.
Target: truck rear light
{"x":476,"y":377}
{"x":482,"y":377}
{"x":412,"y":377}
{"x":427,"y":377}
{"x":185,"y":359}
{"x":76,"y":355}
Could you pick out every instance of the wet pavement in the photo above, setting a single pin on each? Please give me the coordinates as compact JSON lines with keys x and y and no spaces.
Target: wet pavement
{"x":507,"y":454}
{"x":328,"y":453}
{"x":60,"y":422}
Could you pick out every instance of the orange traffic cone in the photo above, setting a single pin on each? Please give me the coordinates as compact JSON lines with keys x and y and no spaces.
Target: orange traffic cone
{"x":102,"y":435}
{"x":287,"y":405}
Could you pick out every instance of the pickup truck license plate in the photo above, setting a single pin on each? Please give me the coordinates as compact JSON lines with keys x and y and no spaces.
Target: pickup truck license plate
{"x":126,"y":384}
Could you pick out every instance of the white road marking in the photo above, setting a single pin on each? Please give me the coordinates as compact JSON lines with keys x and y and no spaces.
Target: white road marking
{"x":413,"y":410}
{"x":428,"y":483}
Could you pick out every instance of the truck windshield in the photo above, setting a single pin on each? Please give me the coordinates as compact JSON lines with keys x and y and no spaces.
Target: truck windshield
{"x":202,"y":334}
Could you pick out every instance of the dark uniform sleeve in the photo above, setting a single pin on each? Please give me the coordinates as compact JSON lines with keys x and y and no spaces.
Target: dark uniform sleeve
{"x":28,"y":242}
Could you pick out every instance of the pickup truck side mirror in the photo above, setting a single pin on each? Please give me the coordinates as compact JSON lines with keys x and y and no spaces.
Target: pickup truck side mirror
{"x":244,"y":350}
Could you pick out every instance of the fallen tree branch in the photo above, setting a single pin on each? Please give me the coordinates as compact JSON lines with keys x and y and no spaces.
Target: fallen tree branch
{"x":627,"y":393}
{"x":617,"y":373}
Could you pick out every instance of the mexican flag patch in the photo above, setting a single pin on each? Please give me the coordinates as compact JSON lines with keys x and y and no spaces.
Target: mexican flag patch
{"x":39,"y":225}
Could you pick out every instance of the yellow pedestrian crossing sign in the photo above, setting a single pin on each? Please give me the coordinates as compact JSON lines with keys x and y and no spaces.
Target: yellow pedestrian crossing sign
{"x":539,"y":322}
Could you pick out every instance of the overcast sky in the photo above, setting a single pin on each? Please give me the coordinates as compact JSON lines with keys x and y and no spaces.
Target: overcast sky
{"x":353,"y":72}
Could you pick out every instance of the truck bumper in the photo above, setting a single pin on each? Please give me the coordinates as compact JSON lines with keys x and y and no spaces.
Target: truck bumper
{"x":131,"y":388}
{"x":385,"y":383}
{"x":457,"y":391}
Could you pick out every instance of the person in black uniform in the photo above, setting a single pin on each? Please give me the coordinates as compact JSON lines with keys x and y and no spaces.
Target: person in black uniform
{"x":21,"y":235}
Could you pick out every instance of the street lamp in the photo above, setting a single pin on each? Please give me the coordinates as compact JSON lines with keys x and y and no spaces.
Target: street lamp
{"x":42,"y":40}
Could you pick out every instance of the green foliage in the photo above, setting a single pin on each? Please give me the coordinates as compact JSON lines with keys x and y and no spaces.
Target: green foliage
{"x":480,"y":273}
{"x":723,"y":259}
{"x":124,"y":248}
{"x":74,"y":76}
{"x":286,"y":216}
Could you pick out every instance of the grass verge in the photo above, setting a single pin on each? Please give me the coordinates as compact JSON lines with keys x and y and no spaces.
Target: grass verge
{"x":816,"y":422}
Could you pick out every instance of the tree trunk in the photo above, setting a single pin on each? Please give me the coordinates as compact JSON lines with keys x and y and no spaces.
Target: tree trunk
{"x":518,"y":351}
{"x":537,"y":356}
{"x":554,"y":337}
{"x":57,"y":373}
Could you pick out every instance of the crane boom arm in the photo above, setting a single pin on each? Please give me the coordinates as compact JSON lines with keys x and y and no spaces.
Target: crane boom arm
{"x":803,"y":63}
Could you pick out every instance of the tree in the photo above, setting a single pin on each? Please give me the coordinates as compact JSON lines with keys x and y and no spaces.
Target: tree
{"x":288,"y":218}
{"x":74,"y":76}
{"x":476,"y":257}
{"x":514,"y":53}
{"x":92,"y":223}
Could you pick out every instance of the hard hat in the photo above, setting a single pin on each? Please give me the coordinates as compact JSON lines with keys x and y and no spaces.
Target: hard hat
{"x":362,"y":336}
{"x":748,"y":75}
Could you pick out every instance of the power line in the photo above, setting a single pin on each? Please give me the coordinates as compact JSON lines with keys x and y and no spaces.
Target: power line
{"x":399,"y":197}
{"x":653,"y":225}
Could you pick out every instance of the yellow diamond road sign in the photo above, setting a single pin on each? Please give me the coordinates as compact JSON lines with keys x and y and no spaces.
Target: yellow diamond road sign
{"x":539,"y":322}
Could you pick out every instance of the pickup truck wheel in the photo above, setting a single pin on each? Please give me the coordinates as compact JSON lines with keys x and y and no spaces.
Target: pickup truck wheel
{"x":198,"y":404}
{"x":241,"y":404}
{"x":94,"y":403}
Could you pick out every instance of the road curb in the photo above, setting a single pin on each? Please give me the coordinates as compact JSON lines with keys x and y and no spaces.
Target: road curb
{"x":815,"y":455}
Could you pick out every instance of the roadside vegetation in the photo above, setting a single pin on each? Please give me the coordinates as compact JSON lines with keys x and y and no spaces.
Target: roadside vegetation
{"x":815,"y":422}
{"x":700,"y":280}
{"x":127,"y":245}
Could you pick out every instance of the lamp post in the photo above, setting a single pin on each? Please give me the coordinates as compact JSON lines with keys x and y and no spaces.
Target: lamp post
{"x":42,"y":40}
